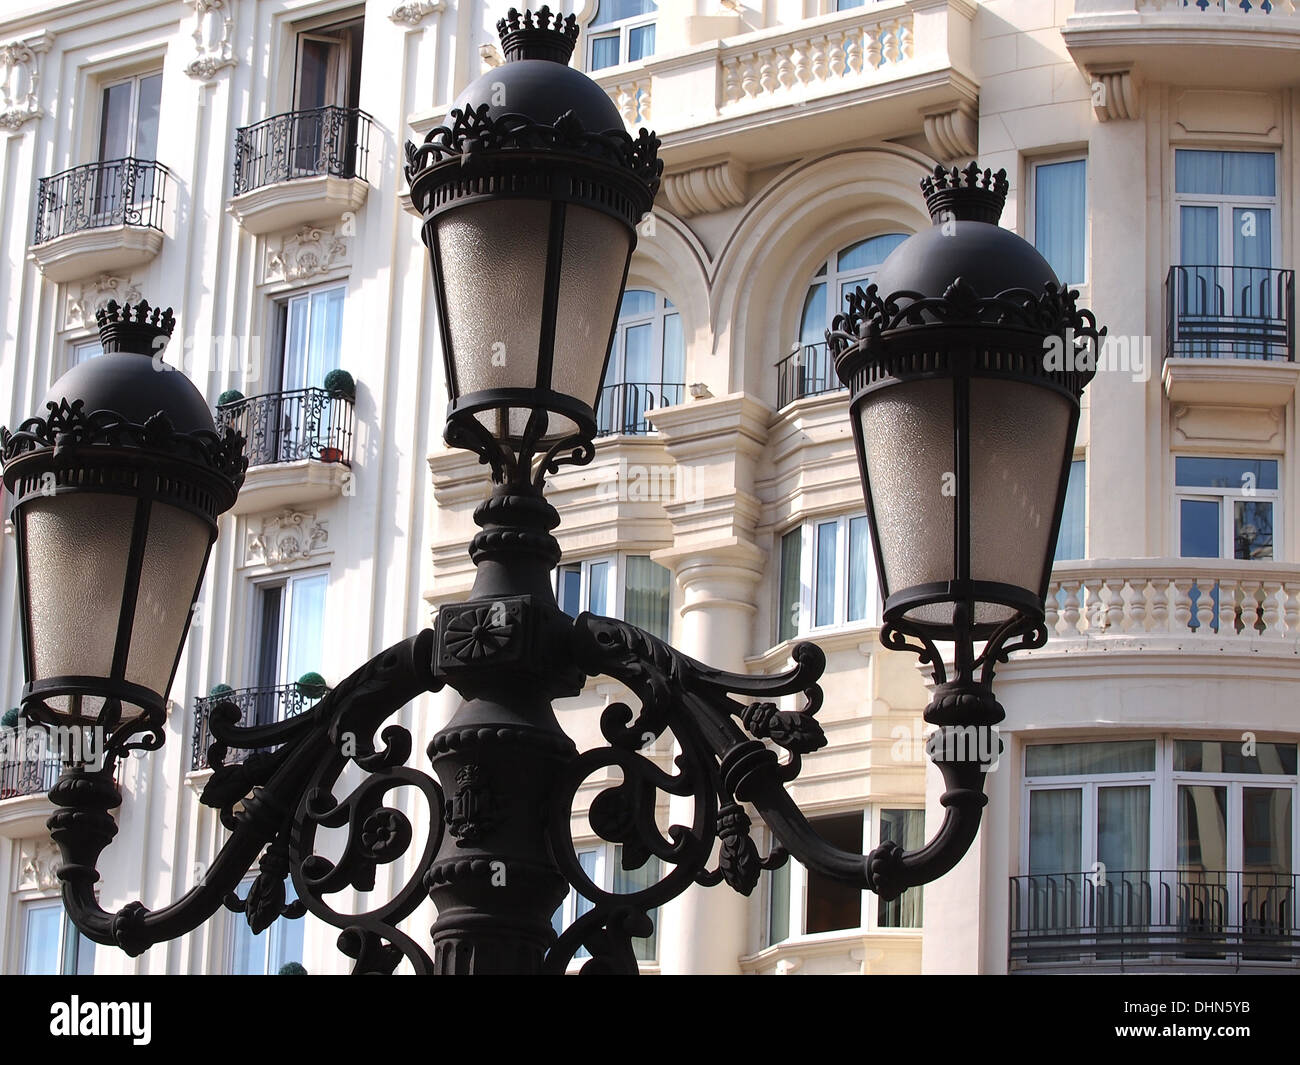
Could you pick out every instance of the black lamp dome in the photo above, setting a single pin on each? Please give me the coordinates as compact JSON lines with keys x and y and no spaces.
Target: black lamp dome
{"x":536,"y":81}
{"x":965,"y":242}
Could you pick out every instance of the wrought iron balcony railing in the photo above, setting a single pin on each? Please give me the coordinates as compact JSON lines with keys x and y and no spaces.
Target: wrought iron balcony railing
{"x":806,"y":371}
{"x":257,"y":706}
{"x":622,"y":407}
{"x":117,"y":192}
{"x":28,"y":777}
{"x":1230,"y":312}
{"x":308,"y":423}
{"x":322,"y":141}
{"x":1191,"y":915}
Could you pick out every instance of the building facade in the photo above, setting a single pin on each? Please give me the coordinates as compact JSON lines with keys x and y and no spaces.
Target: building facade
{"x":240,"y":161}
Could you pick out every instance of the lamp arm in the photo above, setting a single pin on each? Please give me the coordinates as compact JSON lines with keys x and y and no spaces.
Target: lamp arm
{"x":281,"y":795}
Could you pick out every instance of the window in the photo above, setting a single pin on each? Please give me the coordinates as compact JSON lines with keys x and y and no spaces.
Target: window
{"x":809,"y":903}
{"x":808,"y":370}
{"x":1136,"y":805}
{"x":51,"y":943}
{"x":290,"y":627}
{"x":622,"y":31}
{"x":312,"y":327}
{"x":1061,"y":217}
{"x":840,"y":583}
{"x":603,"y":865}
{"x":85,"y":350}
{"x":1070,"y":541}
{"x":1227,"y":232}
{"x":327,"y":74}
{"x":1227,"y":507}
{"x":647,"y":363}
{"x":271,"y":949}
{"x":632,"y":587}
{"x":128,"y":126}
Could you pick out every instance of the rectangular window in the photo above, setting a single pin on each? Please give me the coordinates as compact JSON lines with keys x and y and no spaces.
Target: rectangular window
{"x":1227,"y":507}
{"x":52,"y":945}
{"x":632,"y":587}
{"x":621,"y":31}
{"x":907,"y":829}
{"x":290,"y":639}
{"x":1070,"y":542}
{"x":266,"y":953}
{"x":788,"y":610}
{"x":312,"y":327}
{"x":1089,"y":759}
{"x":1061,"y":216}
{"x":603,"y":866}
{"x":85,"y":350}
{"x":1214,"y":756}
{"x":841,"y":590}
{"x":830,"y":905}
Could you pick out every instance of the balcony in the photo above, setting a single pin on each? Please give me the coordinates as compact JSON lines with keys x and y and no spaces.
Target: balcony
{"x":1219,"y":317}
{"x":303,"y":166}
{"x":1200,"y":918}
{"x":28,"y":777}
{"x":775,"y":93}
{"x":257,"y":706}
{"x":1229,"y":599}
{"x":1245,"y":44}
{"x":807,"y":371}
{"x":622,"y":407}
{"x":298,"y":443}
{"x":99,"y":217}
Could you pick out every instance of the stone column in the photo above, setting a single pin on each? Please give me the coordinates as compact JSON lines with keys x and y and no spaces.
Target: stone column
{"x":716,"y":444}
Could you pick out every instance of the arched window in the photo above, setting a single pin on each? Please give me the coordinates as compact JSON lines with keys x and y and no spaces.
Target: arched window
{"x":647,"y":363}
{"x":622,"y":31}
{"x":807,"y":370}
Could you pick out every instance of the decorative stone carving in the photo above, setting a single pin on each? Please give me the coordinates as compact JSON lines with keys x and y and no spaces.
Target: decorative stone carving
{"x":490,"y":55}
{"x":413,"y":12}
{"x":1114,"y":93}
{"x":291,"y":535}
{"x":951,"y":132}
{"x":705,"y":188}
{"x":38,"y":859}
{"x":309,"y":251}
{"x":91,"y":296}
{"x":469,"y":813}
{"x":214,"y":27}
{"x":20,"y":80}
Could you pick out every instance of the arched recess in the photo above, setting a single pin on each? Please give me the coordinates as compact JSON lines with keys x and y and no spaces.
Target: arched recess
{"x":805,"y":214}
{"x":670,"y":260}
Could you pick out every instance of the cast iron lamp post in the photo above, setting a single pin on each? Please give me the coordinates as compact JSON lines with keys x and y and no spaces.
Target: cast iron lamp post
{"x":530,"y":198}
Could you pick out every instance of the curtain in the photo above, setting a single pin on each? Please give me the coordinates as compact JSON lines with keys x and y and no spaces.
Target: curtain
{"x":1089,"y":759}
{"x":907,"y":829}
{"x":306,"y":635}
{"x":787,"y":621}
{"x":1124,"y":828}
{"x":645,"y":597}
{"x":1060,"y":217}
{"x":1069,"y":544}
{"x":824,"y":611}
{"x":859,"y":568}
{"x":626,"y":881}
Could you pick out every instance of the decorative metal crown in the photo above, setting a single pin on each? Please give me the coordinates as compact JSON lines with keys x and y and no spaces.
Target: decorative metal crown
{"x":134,"y":328}
{"x":537,"y":35}
{"x":969,"y":195}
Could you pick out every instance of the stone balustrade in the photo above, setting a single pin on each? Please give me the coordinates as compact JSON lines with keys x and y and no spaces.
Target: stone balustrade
{"x":1223,"y":598}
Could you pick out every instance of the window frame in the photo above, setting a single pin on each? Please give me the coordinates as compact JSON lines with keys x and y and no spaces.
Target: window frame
{"x":603,"y":877}
{"x":797,"y":873}
{"x":617,"y":563}
{"x":1221,"y":201}
{"x":622,"y":28}
{"x":1080,"y":459}
{"x":1163,"y":781}
{"x":1031,"y":211}
{"x":104,"y":84}
{"x":259,"y":586}
{"x":281,"y":312}
{"x":1227,"y":512}
{"x":807,"y":607}
{"x":830,"y":274}
{"x":71,"y":941}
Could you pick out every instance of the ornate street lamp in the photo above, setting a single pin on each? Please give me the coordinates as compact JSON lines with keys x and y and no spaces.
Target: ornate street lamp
{"x":530,"y":196}
{"x":116,"y":491}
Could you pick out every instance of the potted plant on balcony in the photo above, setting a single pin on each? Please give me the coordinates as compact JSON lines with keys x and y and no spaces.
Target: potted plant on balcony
{"x":311,"y":686}
{"x":230,"y":397}
{"x":219,"y":692}
{"x":338,"y":385}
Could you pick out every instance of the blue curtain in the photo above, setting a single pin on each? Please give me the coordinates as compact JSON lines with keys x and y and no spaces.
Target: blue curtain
{"x":1069,"y":544}
{"x":1060,"y":219}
